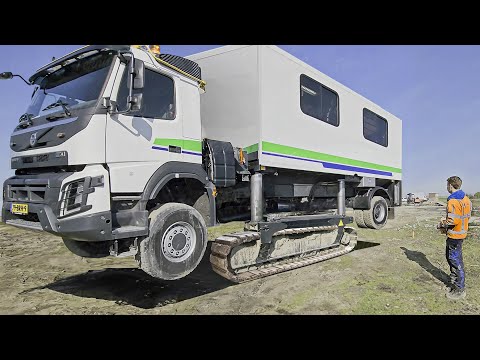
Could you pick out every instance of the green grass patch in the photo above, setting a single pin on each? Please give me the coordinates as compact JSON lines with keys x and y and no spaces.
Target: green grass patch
{"x":222,"y":229}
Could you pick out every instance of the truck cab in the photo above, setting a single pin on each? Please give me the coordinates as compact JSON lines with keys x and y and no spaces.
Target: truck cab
{"x":108,"y":130}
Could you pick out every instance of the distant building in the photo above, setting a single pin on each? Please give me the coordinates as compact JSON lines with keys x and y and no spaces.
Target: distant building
{"x":433,"y":196}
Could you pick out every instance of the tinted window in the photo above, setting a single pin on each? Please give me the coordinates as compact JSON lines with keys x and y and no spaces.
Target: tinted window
{"x":158,"y":96}
{"x":375,"y":128}
{"x":73,"y":84}
{"x":318,"y":101}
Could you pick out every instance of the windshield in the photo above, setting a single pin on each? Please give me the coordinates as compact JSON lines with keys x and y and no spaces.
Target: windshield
{"x":76,"y":84}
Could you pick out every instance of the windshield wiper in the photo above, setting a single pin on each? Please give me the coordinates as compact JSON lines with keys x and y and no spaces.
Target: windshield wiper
{"x":59,"y":103}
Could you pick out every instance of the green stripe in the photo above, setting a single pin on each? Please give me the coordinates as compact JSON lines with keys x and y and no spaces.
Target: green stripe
{"x":252,"y":148}
{"x":192,"y":145}
{"x":288,"y":150}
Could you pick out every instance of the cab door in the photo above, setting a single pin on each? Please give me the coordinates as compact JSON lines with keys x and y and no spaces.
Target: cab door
{"x":138,"y":143}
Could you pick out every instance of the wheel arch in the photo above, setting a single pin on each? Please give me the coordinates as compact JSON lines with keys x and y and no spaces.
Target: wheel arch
{"x":171,"y":171}
{"x":364,"y":201}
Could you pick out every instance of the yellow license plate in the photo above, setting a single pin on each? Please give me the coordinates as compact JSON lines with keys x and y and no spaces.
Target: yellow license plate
{"x":20,"y":209}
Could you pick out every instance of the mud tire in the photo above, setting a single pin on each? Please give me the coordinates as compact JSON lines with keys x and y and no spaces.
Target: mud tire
{"x":358,"y":215}
{"x":376,"y":216}
{"x":163,"y":221}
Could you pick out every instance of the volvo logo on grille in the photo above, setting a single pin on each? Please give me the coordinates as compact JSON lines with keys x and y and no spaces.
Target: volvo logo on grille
{"x":33,"y":140}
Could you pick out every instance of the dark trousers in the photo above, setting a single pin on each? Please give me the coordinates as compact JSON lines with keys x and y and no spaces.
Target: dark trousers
{"x":453,"y":253}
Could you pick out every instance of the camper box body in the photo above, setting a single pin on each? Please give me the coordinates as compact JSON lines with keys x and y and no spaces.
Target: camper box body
{"x":253,"y":100}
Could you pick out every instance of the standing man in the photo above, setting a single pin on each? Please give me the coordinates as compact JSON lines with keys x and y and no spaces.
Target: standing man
{"x":455,"y":225}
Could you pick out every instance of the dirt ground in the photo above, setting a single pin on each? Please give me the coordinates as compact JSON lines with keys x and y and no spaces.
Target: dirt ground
{"x":400,"y":269}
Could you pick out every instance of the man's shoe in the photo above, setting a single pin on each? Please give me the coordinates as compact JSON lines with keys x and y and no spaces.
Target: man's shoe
{"x":456,"y":294}
{"x":448,"y":287}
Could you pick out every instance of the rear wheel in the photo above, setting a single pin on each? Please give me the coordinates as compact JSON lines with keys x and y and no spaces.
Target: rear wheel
{"x":376,"y":216}
{"x":358,"y":215}
{"x":202,"y":205}
{"x":176,"y":243}
{"x":88,"y":249}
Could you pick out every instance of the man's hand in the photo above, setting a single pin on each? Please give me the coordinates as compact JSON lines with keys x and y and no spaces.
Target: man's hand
{"x":442,"y":226}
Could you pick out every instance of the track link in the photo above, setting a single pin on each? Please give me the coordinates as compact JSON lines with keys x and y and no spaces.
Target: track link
{"x":223,"y":246}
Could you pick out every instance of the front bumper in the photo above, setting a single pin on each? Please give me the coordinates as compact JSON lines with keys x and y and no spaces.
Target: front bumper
{"x":94,"y":227}
{"x":75,"y":205}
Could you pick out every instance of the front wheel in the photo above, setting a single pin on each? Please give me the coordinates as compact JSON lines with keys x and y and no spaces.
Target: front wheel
{"x":176,"y":242}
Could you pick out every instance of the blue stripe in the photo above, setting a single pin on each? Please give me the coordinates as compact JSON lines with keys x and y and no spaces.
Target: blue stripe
{"x":333,"y":166}
{"x":354,"y":168}
{"x":159,"y":148}
{"x":190,"y":153}
{"x":183,"y":151}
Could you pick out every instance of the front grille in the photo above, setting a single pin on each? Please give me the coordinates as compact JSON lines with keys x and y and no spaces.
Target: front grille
{"x":29,"y":193}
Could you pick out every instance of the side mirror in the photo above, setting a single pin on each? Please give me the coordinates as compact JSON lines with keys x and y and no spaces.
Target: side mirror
{"x":139,"y":79}
{"x":6,"y":75}
{"x":135,"y":81}
{"x":138,"y":75}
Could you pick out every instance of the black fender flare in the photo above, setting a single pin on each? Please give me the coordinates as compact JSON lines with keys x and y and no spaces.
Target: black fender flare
{"x":178,"y":170}
{"x":364,"y":202}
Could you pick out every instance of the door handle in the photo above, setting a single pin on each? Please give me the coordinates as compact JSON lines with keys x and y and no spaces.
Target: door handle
{"x":175,"y":149}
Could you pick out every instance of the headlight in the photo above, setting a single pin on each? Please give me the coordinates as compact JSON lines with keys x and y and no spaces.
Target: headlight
{"x":73,"y":197}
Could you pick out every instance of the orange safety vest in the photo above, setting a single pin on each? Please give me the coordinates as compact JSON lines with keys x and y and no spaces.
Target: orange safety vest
{"x":458,"y":213}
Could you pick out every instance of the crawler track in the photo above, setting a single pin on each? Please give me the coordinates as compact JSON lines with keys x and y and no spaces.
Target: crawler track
{"x":222,"y":247}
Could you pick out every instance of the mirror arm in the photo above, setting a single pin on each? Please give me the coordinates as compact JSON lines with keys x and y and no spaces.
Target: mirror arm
{"x":129,"y":108}
{"x":26,"y":82}
{"x":8,"y":75}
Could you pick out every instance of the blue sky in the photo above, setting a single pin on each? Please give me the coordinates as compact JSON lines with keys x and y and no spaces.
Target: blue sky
{"x":433,"y":89}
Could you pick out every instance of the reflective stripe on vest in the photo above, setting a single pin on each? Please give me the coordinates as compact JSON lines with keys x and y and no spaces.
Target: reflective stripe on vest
{"x":455,"y":216}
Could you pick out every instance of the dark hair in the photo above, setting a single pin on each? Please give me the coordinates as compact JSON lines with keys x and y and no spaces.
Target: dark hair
{"x":455,"y":181}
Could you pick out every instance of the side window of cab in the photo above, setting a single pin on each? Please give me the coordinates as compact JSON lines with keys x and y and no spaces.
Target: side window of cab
{"x":158,"y":96}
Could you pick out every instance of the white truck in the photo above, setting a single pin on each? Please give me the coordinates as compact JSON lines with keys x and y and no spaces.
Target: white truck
{"x":126,"y":151}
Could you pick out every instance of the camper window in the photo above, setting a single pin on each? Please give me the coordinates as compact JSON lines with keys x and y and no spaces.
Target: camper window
{"x":375,"y":128}
{"x":318,"y":101}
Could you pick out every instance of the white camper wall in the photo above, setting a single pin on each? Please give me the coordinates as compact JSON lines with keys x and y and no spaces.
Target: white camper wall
{"x":230,"y":106}
{"x":307,"y":143}
{"x":253,"y":98}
